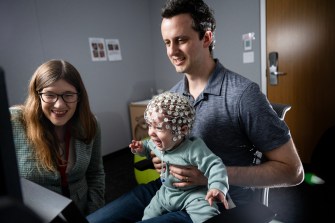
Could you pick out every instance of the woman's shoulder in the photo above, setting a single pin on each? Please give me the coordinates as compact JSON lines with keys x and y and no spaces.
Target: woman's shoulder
{"x":97,"y":122}
{"x":16,"y":111}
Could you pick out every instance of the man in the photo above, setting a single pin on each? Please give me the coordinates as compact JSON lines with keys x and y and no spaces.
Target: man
{"x":233,"y":117}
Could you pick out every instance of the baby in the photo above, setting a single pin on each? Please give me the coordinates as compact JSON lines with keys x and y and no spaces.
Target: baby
{"x":170,"y":117}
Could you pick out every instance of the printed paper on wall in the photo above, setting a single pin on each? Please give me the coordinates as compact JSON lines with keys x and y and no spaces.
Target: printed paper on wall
{"x":98,"y":50}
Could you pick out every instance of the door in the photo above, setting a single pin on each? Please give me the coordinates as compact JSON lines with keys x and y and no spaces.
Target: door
{"x":303,"y":34}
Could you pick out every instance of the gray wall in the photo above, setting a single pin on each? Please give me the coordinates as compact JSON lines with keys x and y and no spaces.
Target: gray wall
{"x":33,"y":31}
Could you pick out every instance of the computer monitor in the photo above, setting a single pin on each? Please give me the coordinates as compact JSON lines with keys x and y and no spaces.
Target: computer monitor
{"x":9,"y":177}
{"x":12,"y":207}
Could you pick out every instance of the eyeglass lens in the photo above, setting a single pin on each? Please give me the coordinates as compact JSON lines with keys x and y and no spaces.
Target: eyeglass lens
{"x":52,"y":98}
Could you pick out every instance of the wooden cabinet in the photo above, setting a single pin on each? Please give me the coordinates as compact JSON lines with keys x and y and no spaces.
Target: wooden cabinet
{"x":138,"y":126}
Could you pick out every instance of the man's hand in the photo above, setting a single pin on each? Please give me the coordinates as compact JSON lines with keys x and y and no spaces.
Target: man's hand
{"x":157,"y":162}
{"x":189,"y":175}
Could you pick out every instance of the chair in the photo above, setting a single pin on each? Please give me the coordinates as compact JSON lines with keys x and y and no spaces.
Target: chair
{"x":279,"y":108}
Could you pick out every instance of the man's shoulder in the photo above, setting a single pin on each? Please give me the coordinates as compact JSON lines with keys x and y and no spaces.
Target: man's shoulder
{"x":235,"y":85}
{"x":235,"y":78}
{"x":230,"y":80}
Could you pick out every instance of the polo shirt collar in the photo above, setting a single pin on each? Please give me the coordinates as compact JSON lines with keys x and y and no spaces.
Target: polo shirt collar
{"x":214,"y":84}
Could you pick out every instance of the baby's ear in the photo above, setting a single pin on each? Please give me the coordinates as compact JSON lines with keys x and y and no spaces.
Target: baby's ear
{"x":184,"y":130}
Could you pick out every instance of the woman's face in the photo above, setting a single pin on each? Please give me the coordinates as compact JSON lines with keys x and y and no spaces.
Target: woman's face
{"x":59,"y":112}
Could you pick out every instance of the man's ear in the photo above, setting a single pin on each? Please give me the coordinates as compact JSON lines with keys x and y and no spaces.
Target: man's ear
{"x":208,"y":38}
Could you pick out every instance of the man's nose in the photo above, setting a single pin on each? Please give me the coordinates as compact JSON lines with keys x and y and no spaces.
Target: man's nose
{"x":173,"y":49}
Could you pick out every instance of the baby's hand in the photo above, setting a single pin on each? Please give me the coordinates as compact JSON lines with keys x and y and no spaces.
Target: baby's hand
{"x":215,"y":194}
{"x":135,"y":146}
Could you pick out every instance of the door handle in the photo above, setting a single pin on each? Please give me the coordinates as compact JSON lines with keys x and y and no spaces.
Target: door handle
{"x":273,"y":68}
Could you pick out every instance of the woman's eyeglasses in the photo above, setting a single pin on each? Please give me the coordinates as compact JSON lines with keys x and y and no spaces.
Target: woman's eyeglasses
{"x":52,"y":97}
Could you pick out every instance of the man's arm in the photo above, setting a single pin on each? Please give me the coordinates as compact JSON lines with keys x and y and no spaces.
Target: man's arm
{"x":282,"y":169}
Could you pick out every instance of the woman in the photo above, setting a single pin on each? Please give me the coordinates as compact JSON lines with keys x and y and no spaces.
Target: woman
{"x":58,"y":139}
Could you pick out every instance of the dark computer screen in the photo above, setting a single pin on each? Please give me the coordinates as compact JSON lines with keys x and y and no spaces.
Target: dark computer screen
{"x":9,"y":176}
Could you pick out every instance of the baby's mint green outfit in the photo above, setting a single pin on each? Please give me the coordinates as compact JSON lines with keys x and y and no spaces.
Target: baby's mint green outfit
{"x":192,"y":151}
